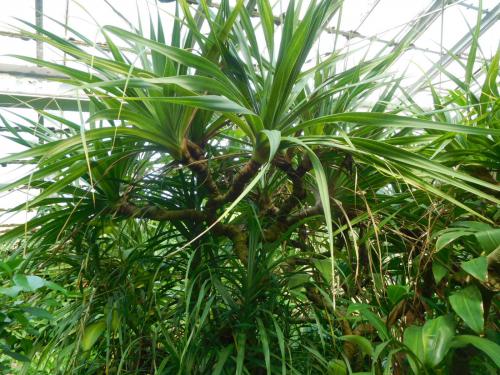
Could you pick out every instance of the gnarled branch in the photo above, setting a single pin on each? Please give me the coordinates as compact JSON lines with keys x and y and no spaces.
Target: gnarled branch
{"x":243,"y":176}
{"x":193,"y":158}
{"x":235,"y":233}
{"x":238,"y":236}
{"x":296,"y":176}
{"x":157,"y":213}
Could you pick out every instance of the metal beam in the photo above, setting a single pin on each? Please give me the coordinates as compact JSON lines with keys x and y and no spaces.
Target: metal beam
{"x":278,"y":21}
{"x":465,"y":42}
{"x":39,"y":23}
{"x":473,"y":7}
{"x":31,"y":131}
{"x":37,"y":101}
{"x":30,"y":71}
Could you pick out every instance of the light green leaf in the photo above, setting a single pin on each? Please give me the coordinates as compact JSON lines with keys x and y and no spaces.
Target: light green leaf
{"x":240,"y":348}
{"x":28,"y":283}
{"x":176,"y":54}
{"x":437,"y":335}
{"x":388,"y":120}
{"x":215,"y":103}
{"x":274,"y":140}
{"x":322,"y":184}
{"x":475,"y":226}
{"x":363,"y":343}
{"x":92,"y":333}
{"x":222,"y":358}
{"x":430,"y":343}
{"x":267,"y":20}
{"x":413,"y":340}
{"x":477,"y":267}
{"x":196,"y":83}
{"x":337,"y":367}
{"x":13,"y":291}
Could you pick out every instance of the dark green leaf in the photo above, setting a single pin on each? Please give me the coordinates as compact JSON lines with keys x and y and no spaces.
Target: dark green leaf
{"x":468,"y":304}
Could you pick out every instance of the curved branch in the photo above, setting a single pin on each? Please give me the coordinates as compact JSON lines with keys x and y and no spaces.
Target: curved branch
{"x":193,"y":158}
{"x":157,"y":213}
{"x":296,"y":176}
{"x":235,"y":233}
{"x":317,"y":209}
{"x":238,"y":236}
{"x":243,"y":176}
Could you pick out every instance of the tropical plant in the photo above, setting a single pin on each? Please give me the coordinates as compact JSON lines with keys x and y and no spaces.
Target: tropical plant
{"x":228,"y":208}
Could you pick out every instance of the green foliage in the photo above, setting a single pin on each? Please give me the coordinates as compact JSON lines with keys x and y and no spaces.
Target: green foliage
{"x":232,"y":210}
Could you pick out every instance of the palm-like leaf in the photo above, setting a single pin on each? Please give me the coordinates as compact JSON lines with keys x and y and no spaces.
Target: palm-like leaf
{"x":222,"y":206}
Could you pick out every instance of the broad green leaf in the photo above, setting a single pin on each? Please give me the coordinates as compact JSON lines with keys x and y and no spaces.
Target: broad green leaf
{"x":439,"y":271}
{"x":437,"y":335}
{"x":337,"y":367}
{"x":477,"y":267}
{"x":13,"y":291}
{"x":490,"y":348}
{"x":29,"y":283}
{"x":92,"y":333}
{"x":56,"y":287}
{"x":431,"y":342}
{"x":448,"y":237}
{"x":324,"y":266}
{"x":476,"y":226}
{"x":364,"y":344}
{"x":396,"y":293}
{"x":468,"y":304}
{"x":413,"y":340}
{"x":298,"y":280}
{"x":489,"y":240}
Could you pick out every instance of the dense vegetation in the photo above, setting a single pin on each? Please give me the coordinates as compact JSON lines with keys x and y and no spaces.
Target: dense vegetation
{"x":230,"y":207}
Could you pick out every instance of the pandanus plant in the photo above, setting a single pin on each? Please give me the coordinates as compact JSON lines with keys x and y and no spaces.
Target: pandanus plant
{"x":227,"y":199}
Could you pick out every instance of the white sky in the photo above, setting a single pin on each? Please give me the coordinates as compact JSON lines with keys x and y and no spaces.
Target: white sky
{"x":386,"y":21}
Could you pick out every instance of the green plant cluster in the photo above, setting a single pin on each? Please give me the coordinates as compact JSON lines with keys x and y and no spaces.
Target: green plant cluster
{"x":237,"y":206}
